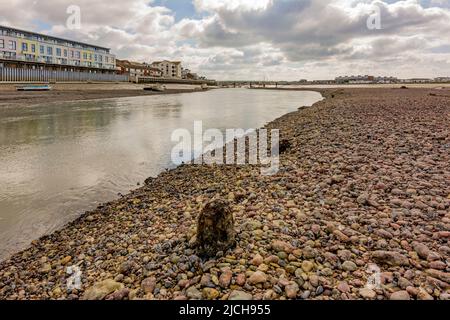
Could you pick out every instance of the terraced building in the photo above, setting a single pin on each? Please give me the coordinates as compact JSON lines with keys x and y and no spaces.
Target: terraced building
{"x":30,"y":50}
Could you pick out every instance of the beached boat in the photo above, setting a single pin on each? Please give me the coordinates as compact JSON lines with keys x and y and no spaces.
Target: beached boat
{"x":44,"y":87}
{"x":156,"y":87}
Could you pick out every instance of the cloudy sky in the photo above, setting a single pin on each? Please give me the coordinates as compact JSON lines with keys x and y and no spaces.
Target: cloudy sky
{"x":258,"y":39}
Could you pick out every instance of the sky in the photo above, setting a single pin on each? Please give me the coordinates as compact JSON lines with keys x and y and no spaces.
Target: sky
{"x":257,"y":39}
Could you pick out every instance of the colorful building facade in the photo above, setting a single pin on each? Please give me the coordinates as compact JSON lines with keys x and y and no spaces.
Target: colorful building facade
{"x":25,"y":49}
{"x":169,"y":69}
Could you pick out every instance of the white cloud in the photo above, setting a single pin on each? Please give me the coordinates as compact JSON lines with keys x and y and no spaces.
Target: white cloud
{"x":285,"y":39}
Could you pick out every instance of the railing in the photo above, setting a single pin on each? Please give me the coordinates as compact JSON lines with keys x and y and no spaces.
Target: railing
{"x":35,"y":75}
{"x":55,"y":62}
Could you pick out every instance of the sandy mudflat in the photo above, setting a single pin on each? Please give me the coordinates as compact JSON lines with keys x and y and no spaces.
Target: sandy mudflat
{"x":82,"y":91}
{"x":364,"y":186}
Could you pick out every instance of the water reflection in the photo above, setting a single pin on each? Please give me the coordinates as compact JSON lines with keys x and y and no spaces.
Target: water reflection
{"x":61,"y":159}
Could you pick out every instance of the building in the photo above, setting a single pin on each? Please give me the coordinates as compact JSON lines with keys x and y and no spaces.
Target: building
{"x":30,"y":50}
{"x":137,"y":69}
{"x":442,"y":79}
{"x":169,"y":69}
{"x":418,"y":80}
{"x":366,"y":79}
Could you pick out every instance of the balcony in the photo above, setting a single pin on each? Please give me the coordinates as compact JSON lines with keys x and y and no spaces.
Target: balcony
{"x":53,"y":61}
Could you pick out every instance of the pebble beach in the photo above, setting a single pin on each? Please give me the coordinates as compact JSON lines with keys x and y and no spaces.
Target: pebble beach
{"x":363,"y":194}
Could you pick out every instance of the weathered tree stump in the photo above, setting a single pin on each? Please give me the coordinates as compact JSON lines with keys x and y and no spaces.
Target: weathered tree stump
{"x":215,"y":229}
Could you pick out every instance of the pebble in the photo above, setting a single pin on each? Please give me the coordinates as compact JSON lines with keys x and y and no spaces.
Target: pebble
{"x":292,"y":290}
{"x":210,"y":293}
{"x":353,"y":190}
{"x":225,"y":279}
{"x":367,"y":293}
{"x":193,"y":293}
{"x":307,"y":266}
{"x":101,"y":289}
{"x":257,"y":260}
{"x":343,"y":287}
{"x":257,"y":277}
{"x":349,"y":266}
{"x":148,"y":285}
{"x":240,"y":295}
{"x":400,"y":295}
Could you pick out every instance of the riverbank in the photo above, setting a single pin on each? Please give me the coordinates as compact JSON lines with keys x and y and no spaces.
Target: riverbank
{"x":62,"y":92}
{"x":364,"y":184}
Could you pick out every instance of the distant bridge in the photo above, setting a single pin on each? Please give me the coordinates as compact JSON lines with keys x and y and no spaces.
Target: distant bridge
{"x":240,"y":83}
{"x":177,"y":81}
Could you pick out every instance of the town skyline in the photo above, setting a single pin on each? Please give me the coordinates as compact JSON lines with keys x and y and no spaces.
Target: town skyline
{"x":246,"y":40}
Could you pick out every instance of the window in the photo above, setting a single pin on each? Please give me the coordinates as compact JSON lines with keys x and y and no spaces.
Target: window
{"x":12,"y":45}
{"x":24,"y":46}
{"x":65,"y":52}
{"x":106,"y":59}
{"x":42,"y":49}
{"x":2,"y":43}
{"x":85,"y":55}
{"x":58,"y":52}
{"x":100,"y":58}
{"x":50,"y":51}
{"x":72,"y":54}
{"x":77,"y":54}
{"x":95,"y":57}
{"x":33,"y":48}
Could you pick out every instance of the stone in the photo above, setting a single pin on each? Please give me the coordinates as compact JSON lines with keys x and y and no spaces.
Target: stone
{"x":292,"y":290}
{"x":215,"y":229}
{"x":46,"y":268}
{"x":400,"y":295}
{"x":101,"y":289}
{"x":240,"y":279}
{"x":118,"y":295}
{"x":349,"y":266}
{"x":240,"y":295}
{"x":391,"y":258}
{"x":193,"y":293}
{"x":421,"y":249}
{"x":307,"y":266}
{"x":279,"y":245}
{"x":363,"y":198}
{"x":225,"y":279}
{"x":422,"y":294}
{"x":148,"y":285}
{"x":257,"y":277}
{"x":367,"y":293}
{"x":66,"y":260}
{"x":257,"y":260}
{"x":343,"y":287}
{"x":444,"y":276}
{"x":210,"y":293}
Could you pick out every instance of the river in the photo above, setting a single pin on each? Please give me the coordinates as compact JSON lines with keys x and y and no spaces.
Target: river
{"x":59,"y":160}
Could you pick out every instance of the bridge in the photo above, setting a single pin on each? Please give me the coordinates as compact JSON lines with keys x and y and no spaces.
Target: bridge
{"x":170,"y":80}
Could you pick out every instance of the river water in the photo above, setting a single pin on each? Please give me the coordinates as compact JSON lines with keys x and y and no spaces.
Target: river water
{"x":59,"y":160}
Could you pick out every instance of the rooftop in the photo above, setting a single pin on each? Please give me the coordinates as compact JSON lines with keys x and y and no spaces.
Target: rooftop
{"x":49,"y":36}
{"x":174,"y":62}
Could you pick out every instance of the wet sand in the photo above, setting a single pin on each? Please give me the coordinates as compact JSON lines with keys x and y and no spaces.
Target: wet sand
{"x":82,"y":91}
{"x":363,"y":191}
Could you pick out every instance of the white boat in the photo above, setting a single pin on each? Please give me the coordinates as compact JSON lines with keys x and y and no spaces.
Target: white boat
{"x":156,"y":87}
{"x":44,"y":87}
